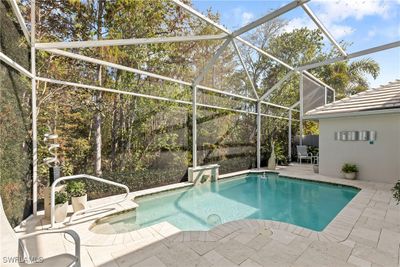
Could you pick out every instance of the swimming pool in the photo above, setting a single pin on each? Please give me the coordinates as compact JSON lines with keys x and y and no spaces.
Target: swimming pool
{"x":304,"y":203}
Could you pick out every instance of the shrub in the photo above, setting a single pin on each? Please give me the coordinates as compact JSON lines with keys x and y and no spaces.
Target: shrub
{"x":61,"y":197}
{"x":396,"y":191}
{"x":76,"y":188}
{"x":348,"y":168}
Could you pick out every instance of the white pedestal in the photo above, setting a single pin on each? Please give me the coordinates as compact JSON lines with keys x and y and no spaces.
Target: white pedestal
{"x":47,"y":202}
{"x":203,"y":174}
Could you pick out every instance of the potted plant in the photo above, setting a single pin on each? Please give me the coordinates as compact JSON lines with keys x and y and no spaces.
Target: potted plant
{"x":61,"y":206}
{"x":396,"y":191}
{"x":77,"y":191}
{"x":350,"y":171}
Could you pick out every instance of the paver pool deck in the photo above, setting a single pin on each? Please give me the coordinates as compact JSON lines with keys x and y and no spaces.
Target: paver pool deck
{"x":365,"y":233}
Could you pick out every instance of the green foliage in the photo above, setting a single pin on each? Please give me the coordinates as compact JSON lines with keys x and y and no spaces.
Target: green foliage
{"x":280,"y":153}
{"x":60,"y":197}
{"x":76,"y":188}
{"x":313,"y":150}
{"x":349,"y":78}
{"x":396,"y":191}
{"x":349,"y":168}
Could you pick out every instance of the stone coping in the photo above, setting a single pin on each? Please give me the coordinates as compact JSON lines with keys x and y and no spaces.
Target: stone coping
{"x":205,"y":167}
{"x":337,"y":230}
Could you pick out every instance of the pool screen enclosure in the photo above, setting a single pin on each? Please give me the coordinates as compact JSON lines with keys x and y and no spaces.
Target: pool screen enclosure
{"x":311,"y":90}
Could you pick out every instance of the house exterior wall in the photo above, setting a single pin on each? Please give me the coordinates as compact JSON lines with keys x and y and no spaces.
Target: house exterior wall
{"x":378,"y":162}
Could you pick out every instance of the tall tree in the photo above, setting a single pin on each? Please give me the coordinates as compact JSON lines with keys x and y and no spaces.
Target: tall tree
{"x":349,"y":78}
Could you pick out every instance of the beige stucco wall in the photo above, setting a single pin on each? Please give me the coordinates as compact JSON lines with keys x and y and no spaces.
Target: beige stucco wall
{"x":377,"y":162}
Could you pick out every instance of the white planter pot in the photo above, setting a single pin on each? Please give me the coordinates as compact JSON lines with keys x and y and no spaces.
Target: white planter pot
{"x":316,"y":168}
{"x":350,"y":175}
{"x":79,"y":203}
{"x":60,"y":212}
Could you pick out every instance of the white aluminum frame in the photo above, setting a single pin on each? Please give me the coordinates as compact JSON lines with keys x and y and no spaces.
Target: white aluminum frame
{"x":274,"y":14}
{"x":228,"y":35}
{"x":352,"y":55}
{"x":35,"y":182}
{"x":15,"y":65}
{"x":277,"y":85}
{"x":133,"y":41}
{"x":21,"y":20}
{"x":245,"y":69}
{"x":321,"y":26}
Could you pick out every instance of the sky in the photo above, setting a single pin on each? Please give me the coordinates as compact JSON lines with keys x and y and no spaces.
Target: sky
{"x":361,"y":23}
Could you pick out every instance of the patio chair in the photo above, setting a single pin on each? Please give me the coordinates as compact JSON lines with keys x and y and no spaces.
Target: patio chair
{"x":303,"y":154}
{"x":315,"y":159}
{"x":14,"y":250}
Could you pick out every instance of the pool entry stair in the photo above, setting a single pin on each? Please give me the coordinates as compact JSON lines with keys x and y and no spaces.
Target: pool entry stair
{"x":87,"y":210}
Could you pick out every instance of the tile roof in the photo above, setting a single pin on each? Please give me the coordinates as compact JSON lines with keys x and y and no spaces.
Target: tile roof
{"x":385,"y":98}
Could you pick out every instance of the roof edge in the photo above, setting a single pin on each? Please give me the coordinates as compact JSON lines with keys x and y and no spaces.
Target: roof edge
{"x":352,"y":114}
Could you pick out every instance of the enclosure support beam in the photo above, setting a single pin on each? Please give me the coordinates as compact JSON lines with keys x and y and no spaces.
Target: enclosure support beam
{"x":133,"y":41}
{"x":276,"y":105}
{"x":198,"y":79}
{"x":150,"y":74}
{"x":277,"y":85}
{"x":315,"y":79}
{"x":245,"y":69}
{"x":280,"y":61}
{"x":21,"y":21}
{"x":258,"y":135}
{"x":211,"y":62}
{"x":15,"y":65}
{"x":301,"y":107}
{"x":294,"y":105}
{"x":193,"y":103}
{"x":34,"y":110}
{"x":274,"y":14}
{"x":110,"y":90}
{"x":200,"y":16}
{"x":114,"y":65}
{"x":321,"y":26}
{"x":290,"y":136}
{"x":264,"y":53}
{"x":352,"y":55}
{"x":222,"y":28}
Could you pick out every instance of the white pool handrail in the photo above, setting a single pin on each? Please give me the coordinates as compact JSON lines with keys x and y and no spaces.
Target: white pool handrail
{"x":79,"y":176}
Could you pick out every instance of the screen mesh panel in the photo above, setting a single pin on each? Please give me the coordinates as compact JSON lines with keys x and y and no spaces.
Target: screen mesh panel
{"x":15,"y":123}
{"x":330,"y":96}
{"x":144,"y":142}
{"x":313,"y":94}
{"x":226,"y":138}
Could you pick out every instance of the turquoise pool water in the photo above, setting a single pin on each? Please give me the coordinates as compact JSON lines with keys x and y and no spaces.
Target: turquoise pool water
{"x":309,"y":204}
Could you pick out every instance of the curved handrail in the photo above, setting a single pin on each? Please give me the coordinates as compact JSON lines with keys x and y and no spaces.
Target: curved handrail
{"x":79,"y":176}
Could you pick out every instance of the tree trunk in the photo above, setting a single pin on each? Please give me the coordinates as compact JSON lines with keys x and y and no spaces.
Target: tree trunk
{"x":98,"y":96}
{"x":114,"y":127}
{"x":97,"y":129}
